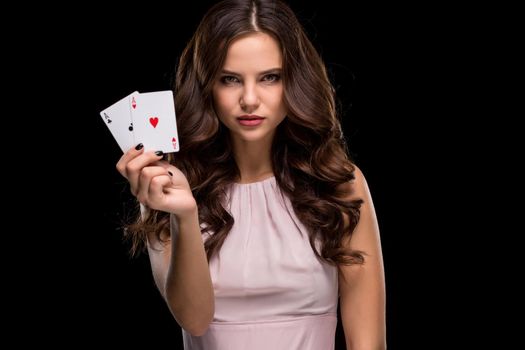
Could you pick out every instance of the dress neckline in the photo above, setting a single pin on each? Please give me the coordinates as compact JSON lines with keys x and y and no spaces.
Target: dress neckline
{"x":268,"y":179}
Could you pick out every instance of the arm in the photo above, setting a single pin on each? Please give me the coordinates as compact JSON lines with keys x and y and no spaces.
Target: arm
{"x":362,"y":287}
{"x":180,"y":266}
{"x":184,"y":280}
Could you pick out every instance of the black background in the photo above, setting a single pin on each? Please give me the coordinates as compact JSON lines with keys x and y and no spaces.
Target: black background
{"x":387,"y":66}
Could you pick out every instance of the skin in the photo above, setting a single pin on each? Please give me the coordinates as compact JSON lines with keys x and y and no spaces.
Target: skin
{"x":184,"y":281}
{"x":249,"y":84}
{"x":362,"y":288}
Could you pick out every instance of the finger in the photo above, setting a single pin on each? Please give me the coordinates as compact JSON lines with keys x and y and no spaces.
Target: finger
{"x":178,"y":180}
{"x":158,"y":187}
{"x":170,"y":167}
{"x":135,"y":166}
{"x":162,"y":163}
{"x":131,"y":154}
{"x":147,"y":174}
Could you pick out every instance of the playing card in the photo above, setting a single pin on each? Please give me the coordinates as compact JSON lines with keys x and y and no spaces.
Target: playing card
{"x":154,"y":123}
{"x":118,"y":119}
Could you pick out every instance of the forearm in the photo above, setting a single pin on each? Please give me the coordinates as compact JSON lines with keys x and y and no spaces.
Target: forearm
{"x":184,"y":281}
{"x":188,"y":288}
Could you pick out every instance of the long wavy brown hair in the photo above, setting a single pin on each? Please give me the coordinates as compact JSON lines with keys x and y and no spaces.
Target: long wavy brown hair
{"x":309,"y":154}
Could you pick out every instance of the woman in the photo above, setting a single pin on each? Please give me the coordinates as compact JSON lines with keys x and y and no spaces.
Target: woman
{"x":260,"y":223}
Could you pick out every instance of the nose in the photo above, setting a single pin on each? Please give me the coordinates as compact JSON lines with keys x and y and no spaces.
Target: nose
{"x":249,"y":100}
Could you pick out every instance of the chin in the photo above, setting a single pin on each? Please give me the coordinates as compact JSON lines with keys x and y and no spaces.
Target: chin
{"x":253,"y":136}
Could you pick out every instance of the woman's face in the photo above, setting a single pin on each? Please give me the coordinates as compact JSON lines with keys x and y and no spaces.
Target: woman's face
{"x":248,"y":94}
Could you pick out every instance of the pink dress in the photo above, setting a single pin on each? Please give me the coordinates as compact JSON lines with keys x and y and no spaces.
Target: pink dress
{"x":271,"y":292}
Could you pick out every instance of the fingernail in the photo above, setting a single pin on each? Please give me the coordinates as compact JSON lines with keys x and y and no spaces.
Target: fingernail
{"x":159,"y":153}
{"x":139,"y":146}
{"x":169,"y":172}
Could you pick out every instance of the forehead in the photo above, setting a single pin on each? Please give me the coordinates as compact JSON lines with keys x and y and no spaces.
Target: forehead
{"x":253,"y":52}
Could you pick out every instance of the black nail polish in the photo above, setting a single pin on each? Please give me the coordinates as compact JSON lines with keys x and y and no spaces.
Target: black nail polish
{"x":139,"y":146}
{"x":169,"y":172}
{"x":159,"y":153}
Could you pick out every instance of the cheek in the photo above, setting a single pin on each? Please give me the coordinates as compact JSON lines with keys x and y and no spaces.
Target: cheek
{"x":276,"y":101}
{"x":224,"y":102}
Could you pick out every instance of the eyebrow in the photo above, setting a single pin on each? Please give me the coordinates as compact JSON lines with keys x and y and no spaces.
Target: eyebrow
{"x":272,"y":70}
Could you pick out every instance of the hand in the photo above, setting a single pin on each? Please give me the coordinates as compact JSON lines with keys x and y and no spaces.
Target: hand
{"x":157,"y":184}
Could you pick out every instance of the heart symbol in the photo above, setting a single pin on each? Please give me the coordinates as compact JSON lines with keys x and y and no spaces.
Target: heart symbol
{"x":154,"y":121}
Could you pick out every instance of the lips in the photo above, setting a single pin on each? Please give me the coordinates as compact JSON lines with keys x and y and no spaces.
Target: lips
{"x":250,"y":120}
{"x":249,"y":117}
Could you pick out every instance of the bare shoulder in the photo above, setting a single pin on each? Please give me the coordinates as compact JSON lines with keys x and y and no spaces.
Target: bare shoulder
{"x":365,"y":237}
{"x":358,"y":187}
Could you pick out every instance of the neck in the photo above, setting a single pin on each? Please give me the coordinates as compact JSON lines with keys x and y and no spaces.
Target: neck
{"x":253,"y":159}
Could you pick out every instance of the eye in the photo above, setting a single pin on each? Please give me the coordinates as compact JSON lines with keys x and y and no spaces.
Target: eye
{"x":271,"y":78}
{"x":229,"y":80}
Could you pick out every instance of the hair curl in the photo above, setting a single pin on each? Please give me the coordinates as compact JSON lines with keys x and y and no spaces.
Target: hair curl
{"x":309,"y":154}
